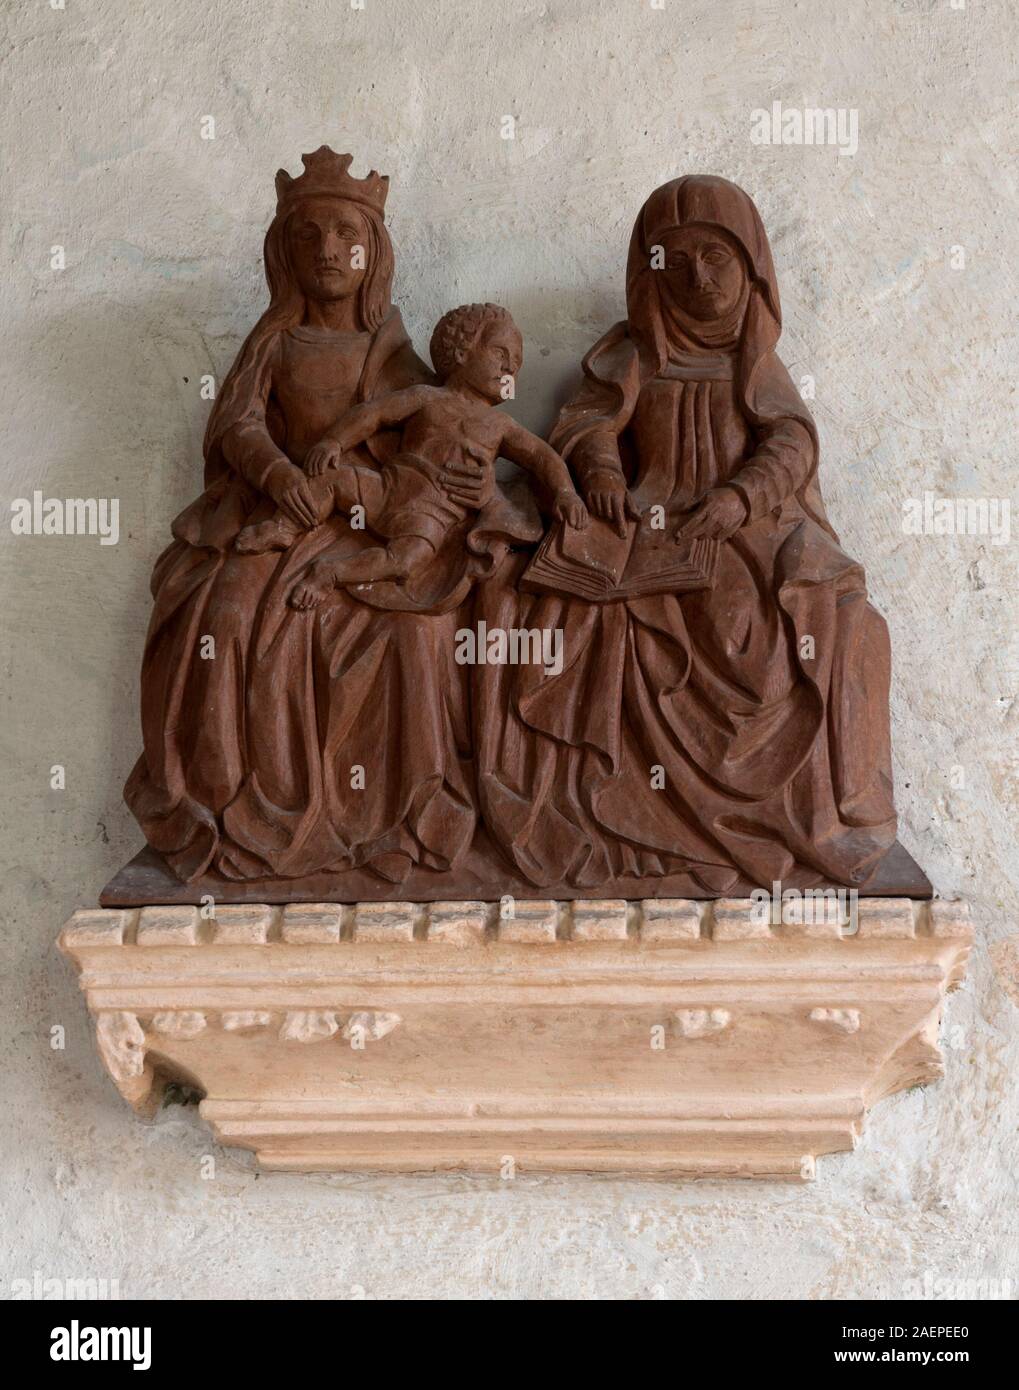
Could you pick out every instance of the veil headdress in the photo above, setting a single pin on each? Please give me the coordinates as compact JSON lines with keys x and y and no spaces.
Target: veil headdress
{"x":639,"y":348}
{"x":754,"y":324}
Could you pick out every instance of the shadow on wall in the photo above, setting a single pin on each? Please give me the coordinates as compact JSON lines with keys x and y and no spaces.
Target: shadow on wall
{"x":126,"y":419}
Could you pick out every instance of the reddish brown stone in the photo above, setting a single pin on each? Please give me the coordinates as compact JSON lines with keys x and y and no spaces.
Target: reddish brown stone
{"x":709,"y":712}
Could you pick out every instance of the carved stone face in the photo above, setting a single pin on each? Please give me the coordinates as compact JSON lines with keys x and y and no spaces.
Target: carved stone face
{"x":704,"y":271}
{"x":496,"y":356}
{"x":327,"y":242}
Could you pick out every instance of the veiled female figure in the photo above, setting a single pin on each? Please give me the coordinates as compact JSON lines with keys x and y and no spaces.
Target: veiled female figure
{"x":737,"y":733}
{"x":255,"y":717}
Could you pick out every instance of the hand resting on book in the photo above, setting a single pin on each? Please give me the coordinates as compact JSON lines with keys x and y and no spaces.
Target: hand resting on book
{"x":718,"y":515}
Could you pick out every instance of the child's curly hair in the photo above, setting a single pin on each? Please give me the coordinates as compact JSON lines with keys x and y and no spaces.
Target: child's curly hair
{"x":458,"y":331}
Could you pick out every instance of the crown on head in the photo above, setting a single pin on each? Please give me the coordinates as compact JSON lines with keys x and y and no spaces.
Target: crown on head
{"x":326,"y":176}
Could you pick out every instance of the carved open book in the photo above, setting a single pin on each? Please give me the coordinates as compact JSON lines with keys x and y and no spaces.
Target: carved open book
{"x":598,"y":564}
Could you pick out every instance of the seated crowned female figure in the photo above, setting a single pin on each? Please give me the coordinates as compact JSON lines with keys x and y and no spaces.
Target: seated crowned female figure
{"x":253,"y":715}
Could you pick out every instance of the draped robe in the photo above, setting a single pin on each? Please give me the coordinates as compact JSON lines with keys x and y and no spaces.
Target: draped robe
{"x":740,"y":732}
{"x":255,"y":716}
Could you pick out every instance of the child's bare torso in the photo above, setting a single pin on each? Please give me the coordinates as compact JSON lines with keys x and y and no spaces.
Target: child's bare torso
{"x":448,"y":429}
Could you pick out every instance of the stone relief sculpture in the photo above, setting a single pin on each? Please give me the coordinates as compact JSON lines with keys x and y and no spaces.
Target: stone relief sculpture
{"x":463,"y":786}
{"x":718,"y":719}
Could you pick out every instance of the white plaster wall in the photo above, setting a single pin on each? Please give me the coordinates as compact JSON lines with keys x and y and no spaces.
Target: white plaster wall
{"x":915,"y":364}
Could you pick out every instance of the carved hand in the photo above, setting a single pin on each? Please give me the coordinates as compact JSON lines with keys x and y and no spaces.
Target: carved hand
{"x":719,"y":515}
{"x":569,"y":508}
{"x":611,"y":502}
{"x":468,"y":484}
{"x":288,"y":488}
{"x":324,"y":455}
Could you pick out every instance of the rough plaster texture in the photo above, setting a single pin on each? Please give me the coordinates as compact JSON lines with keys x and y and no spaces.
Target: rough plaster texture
{"x":915,"y":370}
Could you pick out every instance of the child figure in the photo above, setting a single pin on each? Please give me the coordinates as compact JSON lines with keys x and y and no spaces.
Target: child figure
{"x":476,"y":350}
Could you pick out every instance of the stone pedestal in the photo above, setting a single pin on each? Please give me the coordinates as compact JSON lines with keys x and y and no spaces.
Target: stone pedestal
{"x":663,"y":1037}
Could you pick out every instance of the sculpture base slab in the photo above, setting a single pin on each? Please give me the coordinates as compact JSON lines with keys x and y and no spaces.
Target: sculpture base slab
{"x":666,"y":1037}
{"x":147,"y":879}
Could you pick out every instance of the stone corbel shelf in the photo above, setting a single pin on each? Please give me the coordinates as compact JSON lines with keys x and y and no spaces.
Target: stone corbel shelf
{"x":664,"y":1037}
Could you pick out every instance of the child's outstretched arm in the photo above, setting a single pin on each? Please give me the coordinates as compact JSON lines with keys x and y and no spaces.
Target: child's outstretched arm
{"x":542,"y":462}
{"x":359,"y":423}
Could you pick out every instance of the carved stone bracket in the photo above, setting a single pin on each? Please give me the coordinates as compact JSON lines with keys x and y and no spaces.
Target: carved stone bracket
{"x":664,"y":1037}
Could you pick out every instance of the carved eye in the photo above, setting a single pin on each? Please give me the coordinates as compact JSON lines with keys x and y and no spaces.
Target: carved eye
{"x":718,"y":256}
